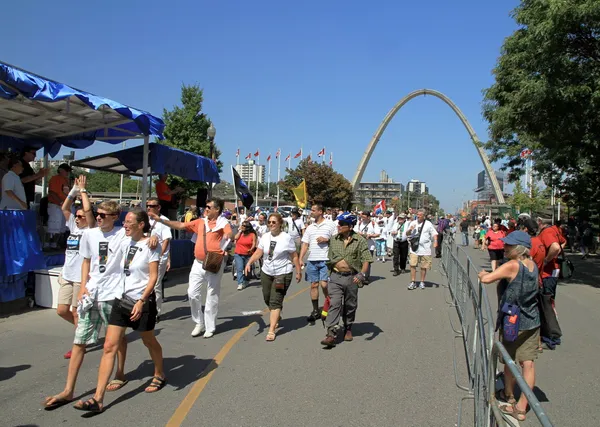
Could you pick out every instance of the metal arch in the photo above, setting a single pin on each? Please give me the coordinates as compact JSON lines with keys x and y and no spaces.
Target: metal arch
{"x":390,"y":115}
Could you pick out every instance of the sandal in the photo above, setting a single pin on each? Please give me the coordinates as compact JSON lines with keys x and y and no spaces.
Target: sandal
{"x":116,"y":384}
{"x":156,"y":384}
{"x":57,"y":403}
{"x":514,"y":412}
{"x":270,"y":336}
{"x":91,"y":405}
{"x":277,"y":324}
{"x":508,"y":398}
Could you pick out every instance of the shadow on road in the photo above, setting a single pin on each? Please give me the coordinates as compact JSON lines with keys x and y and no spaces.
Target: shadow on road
{"x":586,"y":271}
{"x":291,"y":324}
{"x":365,"y":328}
{"x":178,"y":313}
{"x":11,"y":371}
{"x":240,"y":322}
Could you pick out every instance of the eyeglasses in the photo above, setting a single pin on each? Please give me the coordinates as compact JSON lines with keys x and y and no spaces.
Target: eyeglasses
{"x":208,"y":207}
{"x":104,"y":215}
{"x":272,"y":222}
{"x":152,"y":206}
{"x":80,"y":216}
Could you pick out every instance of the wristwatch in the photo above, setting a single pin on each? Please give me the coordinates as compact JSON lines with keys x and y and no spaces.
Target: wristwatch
{"x":83,"y":190}
{"x":142,"y":300}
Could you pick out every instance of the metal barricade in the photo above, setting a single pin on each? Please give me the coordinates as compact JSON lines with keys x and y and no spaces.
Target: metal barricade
{"x":468,"y":299}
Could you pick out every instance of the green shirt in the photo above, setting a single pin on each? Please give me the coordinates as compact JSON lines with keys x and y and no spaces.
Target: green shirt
{"x":355,"y":253}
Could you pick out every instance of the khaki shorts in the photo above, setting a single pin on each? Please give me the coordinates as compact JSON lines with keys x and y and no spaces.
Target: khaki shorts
{"x":68,"y":292}
{"x":423,"y":261}
{"x":525,"y":348}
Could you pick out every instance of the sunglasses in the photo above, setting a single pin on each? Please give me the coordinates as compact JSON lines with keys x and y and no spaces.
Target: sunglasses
{"x":272,"y":222}
{"x":80,"y":216}
{"x":104,"y":215}
{"x":208,"y":207}
{"x":152,"y":206}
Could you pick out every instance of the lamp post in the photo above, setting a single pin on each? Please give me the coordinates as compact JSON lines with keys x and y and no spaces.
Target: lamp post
{"x":210,"y":133}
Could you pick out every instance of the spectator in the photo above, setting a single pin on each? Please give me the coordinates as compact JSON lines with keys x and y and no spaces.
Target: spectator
{"x":13,"y":192}
{"x":464,"y":229}
{"x":28,"y":176}
{"x":165,"y":194}
{"x":494,"y":244}
{"x":4,"y":159}
{"x":58,"y":188}
{"x":442,"y":225}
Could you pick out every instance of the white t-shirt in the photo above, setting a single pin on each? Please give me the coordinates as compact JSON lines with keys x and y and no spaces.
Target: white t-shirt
{"x":280,"y":261}
{"x":318,"y":251}
{"x":292,"y":229}
{"x":401,"y":230}
{"x":382,"y":231}
{"x":427,"y":236}
{"x":261,"y":230}
{"x":162,"y":232}
{"x":105,"y":252}
{"x":364,"y":229}
{"x":139,"y":256}
{"x":72,"y":269}
{"x":12,"y":182}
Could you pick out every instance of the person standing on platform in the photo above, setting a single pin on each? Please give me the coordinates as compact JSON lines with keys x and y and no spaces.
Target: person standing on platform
{"x":13,"y":192}
{"x":400,"y":245}
{"x":58,"y":188}
{"x":213,"y":236}
{"x":163,"y":233}
{"x":28,"y":176}
{"x":165,"y":194}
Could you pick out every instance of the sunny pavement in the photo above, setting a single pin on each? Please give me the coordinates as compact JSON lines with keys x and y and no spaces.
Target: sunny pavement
{"x":396,"y":372}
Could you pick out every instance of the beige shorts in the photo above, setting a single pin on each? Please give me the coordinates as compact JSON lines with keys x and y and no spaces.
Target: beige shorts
{"x":422,"y":261}
{"x":68,"y":292}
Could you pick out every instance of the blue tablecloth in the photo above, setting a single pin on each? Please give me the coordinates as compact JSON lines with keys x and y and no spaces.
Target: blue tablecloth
{"x":182,"y":253}
{"x":20,"y":246}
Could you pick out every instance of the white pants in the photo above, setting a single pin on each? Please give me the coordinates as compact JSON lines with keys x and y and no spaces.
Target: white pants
{"x":56,"y":219}
{"x":198,"y":277}
{"x":162,"y":269}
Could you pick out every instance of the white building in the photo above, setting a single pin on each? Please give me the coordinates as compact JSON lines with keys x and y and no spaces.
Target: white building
{"x":249,"y":171}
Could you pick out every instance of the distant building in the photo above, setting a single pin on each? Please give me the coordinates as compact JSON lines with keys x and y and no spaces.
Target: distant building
{"x":484,"y":190}
{"x":37,"y":164}
{"x":249,"y":171}
{"x":417,"y":187}
{"x":370,"y":193}
{"x":417,"y":194}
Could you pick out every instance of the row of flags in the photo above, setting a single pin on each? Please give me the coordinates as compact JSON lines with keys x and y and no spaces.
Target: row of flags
{"x":289,"y":156}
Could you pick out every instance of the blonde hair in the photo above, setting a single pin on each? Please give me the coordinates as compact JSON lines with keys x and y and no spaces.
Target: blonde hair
{"x":521,"y":251}
{"x":110,"y":206}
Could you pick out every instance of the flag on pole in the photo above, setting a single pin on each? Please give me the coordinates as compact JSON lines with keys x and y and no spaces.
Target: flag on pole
{"x":379,"y":207}
{"x":257,"y":153}
{"x":299,"y":154}
{"x":237,"y":153}
{"x":321,"y":153}
{"x":526,"y":153}
{"x":330,"y":159}
{"x":278,"y":154}
{"x":249,"y":156}
{"x":241,"y":189}
{"x":288,"y":157}
{"x":308,"y":159}
{"x":300,"y":195}
{"x":269,"y":158}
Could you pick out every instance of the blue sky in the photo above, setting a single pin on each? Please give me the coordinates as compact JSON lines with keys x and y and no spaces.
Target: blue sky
{"x":287,"y":74}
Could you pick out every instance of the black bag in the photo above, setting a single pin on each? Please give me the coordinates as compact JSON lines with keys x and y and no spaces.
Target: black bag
{"x":549,"y":323}
{"x":127,"y":303}
{"x":414,"y":242}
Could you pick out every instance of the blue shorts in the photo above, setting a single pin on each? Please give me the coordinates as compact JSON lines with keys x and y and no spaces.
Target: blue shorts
{"x":316,"y":271}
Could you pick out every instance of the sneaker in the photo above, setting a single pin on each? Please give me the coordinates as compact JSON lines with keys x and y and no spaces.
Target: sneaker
{"x":198,"y":329}
{"x":314,"y":316}
{"x":422,"y":285}
{"x":208,"y":334}
{"x":382,"y":259}
{"x":240,"y":287}
{"x":412,"y":286}
{"x":67,"y":355}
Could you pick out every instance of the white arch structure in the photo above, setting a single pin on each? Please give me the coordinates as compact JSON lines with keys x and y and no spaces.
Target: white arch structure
{"x":371,"y":147}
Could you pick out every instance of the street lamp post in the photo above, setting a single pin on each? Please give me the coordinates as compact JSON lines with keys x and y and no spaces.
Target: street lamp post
{"x":210,"y":133}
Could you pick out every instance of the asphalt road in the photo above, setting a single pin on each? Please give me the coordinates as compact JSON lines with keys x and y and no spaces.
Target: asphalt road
{"x":396,"y":372}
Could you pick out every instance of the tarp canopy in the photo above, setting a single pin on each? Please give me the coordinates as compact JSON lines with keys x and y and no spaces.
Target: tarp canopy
{"x":163,"y":159}
{"x":43,"y":113}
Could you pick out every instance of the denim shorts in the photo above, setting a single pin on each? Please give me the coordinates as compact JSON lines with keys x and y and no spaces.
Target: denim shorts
{"x":316,"y":271}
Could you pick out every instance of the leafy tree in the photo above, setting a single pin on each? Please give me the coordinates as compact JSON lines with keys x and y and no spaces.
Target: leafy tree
{"x":185,"y":128}
{"x":546,"y":95}
{"x":323,"y":184}
{"x":523,"y":202}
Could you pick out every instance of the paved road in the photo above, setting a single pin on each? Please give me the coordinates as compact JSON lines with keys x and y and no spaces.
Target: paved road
{"x":397,"y":371}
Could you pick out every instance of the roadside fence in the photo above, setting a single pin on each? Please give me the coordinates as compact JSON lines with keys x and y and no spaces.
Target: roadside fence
{"x":474,"y":335}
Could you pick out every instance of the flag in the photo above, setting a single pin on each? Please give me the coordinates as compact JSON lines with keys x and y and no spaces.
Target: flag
{"x":299,"y":154}
{"x":309,"y":159}
{"x":526,"y":153}
{"x":257,"y":153}
{"x":278,"y":154}
{"x":379,"y":207}
{"x":237,"y":153}
{"x":241,"y":189}
{"x":288,"y":157}
{"x":300,"y":195}
{"x":269,"y":158}
{"x":249,"y":156}
{"x":321,"y":153}
{"x":331,"y":159}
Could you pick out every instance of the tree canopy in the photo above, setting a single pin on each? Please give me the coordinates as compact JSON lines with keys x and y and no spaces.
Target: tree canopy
{"x":323,"y":184}
{"x":546,"y":96}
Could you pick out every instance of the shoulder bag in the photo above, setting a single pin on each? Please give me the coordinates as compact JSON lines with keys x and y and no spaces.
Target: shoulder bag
{"x":566,"y":266}
{"x":414,"y":242}
{"x":212,"y":260}
{"x":512,"y":315}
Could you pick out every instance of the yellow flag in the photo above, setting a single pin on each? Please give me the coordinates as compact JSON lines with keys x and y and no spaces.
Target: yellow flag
{"x":300,"y":195}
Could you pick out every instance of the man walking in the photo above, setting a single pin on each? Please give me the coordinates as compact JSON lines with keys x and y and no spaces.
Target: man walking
{"x":163,"y":233}
{"x":295,"y":225}
{"x":366,"y":228}
{"x":316,"y":238}
{"x":464,"y":229}
{"x":400,"y":245}
{"x":423,"y":232}
{"x":214,"y":234}
{"x":442,"y":225}
{"x":349,"y":259}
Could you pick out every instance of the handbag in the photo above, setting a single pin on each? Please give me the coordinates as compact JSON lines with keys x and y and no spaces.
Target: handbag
{"x":549,"y":322}
{"x":212,"y":260}
{"x":414,"y":242}
{"x":564,"y":261}
{"x":127,"y":303}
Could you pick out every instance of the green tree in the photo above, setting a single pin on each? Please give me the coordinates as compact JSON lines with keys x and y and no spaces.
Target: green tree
{"x":523,"y":202}
{"x":323,"y":184}
{"x":185,"y":128}
{"x":546,"y":95}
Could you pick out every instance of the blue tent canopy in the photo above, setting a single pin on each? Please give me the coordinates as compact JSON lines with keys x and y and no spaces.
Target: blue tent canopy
{"x":40,"y":112}
{"x":163,"y":159}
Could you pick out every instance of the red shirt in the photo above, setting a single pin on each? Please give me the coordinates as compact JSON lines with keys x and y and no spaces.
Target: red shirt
{"x":244,"y":244}
{"x":548,"y":236}
{"x":495,"y":242}
{"x":162,"y":191}
{"x":538,"y":253}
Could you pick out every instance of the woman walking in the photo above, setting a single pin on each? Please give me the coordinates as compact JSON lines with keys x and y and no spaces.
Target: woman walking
{"x":380,"y":240}
{"x":521,"y":273}
{"x":278,"y":251}
{"x":494,"y":244}
{"x":135,"y":309}
{"x":245,"y":244}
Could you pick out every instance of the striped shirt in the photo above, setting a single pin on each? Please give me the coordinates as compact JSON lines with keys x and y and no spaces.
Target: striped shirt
{"x":318,"y":251}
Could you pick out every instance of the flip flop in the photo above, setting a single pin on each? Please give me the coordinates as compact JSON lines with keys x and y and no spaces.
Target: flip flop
{"x":502,"y":396}
{"x":116,"y":384}
{"x":514,"y":412}
{"x":90,"y":405}
{"x":270,"y":337}
{"x":157,"y":383}
{"x":58,"y":402}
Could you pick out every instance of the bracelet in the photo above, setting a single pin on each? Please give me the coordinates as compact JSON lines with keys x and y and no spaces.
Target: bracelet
{"x":83,"y":190}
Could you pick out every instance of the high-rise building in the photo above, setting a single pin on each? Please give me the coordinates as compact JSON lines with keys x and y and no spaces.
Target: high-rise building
{"x":484,"y":190}
{"x":249,"y":171}
{"x":370,"y":193}
{"x":417,"y":187}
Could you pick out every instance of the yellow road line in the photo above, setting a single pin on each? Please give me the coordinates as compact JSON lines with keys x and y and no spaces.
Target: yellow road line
{"x":188,"y":402}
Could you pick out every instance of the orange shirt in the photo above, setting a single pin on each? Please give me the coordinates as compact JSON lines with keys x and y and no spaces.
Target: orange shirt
{"x":213,"y":238}
{"x":162,"y":191}
{"x":56,"y":195}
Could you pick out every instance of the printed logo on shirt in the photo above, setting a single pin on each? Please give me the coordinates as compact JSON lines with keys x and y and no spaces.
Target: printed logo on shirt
{"x":73,"y":242}
{"x":102,"y":256}
{"x":132,"y":251}
{"x":272,"y":249}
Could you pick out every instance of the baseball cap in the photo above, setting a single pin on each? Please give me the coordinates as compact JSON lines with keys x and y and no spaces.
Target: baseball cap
{"x":518,"y":238}
{"x":402,"y":215}
{"x":531,"y":226}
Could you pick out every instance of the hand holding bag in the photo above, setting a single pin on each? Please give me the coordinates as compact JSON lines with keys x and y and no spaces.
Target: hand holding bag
{"x":212,"y":260}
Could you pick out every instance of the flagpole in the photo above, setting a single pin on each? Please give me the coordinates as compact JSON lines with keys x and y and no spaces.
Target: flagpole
{"x":301,"y":153}
{"x":237,"y":162}
{"x":323,"y":156}
{"x":257,"y":173}
{"x":278,"y":177}
{"x":290,"y":161}
{"x":269,"y":178}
